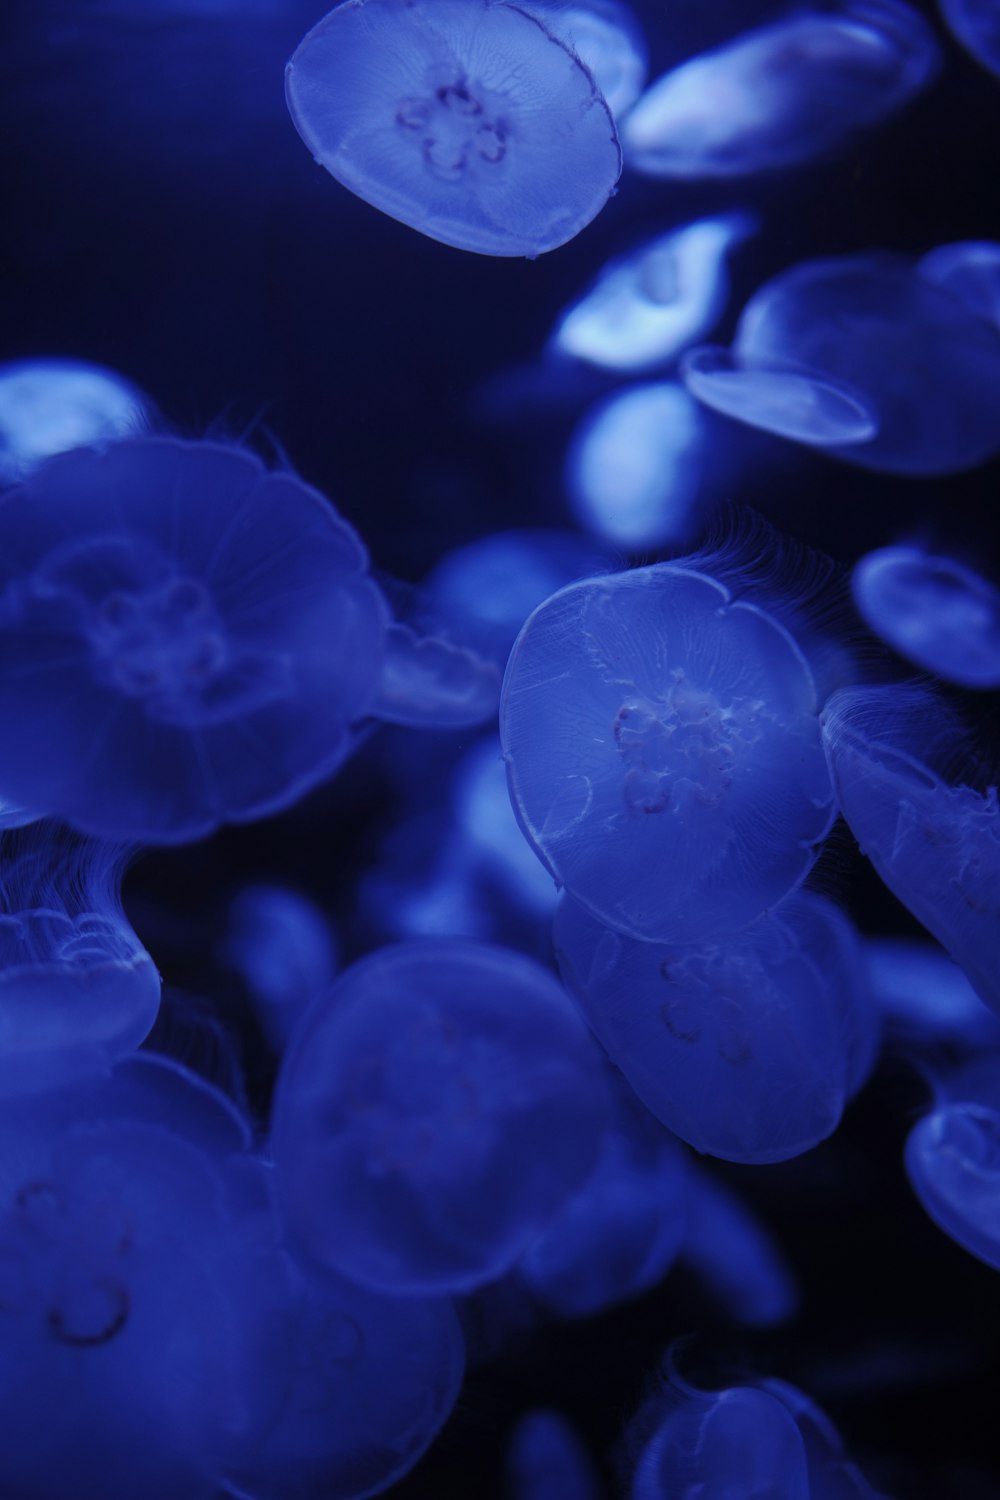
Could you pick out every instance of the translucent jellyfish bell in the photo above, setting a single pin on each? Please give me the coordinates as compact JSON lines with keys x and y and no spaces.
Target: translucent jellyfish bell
{"x":185,"y":639}
{"x":953,"y":1162}
{"x":49,"y":406}
{"x":969,"y":269}
{"x":465,"y":119}
{"x":663,"y":752}
{"x":784,"y":93}
{"x":976,"y":25}
{"x":924,"y":996}
{"x":607,"y":38}
{"x":429,"y":682}
{"x":483,"y":812}
{"x":790,"y":403}
{"x":435,"y":1109}
{"x":938,"y":614}
{"x":283,"y":948}
{"x":547,"y":1459}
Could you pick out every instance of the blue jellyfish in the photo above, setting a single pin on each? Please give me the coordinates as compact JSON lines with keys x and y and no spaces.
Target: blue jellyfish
{"x":429,"y":682}
{"x":746,"y":1048}
{"x":646,"y":307}
{"x":638,"y":470}
{"x":735,"y":1256}
{"x":663,"y":752}
{"x":782,"y":94}
{"x":284,"y":950}
{"x":864,"y":357}
{"x":49,"y":406}
{"x":832,"y":1475}
{"x":547,"y":1460}
{"x":465,"y":119}
{"x":970,"y":271}
{"x":185,"y":639}
{"x":433,"y":1112}
{"x":952,"y":1158}
{"x":934,"y":844}
{"x":937,"y":613}
{"x":976,"y":25}
{"x":607,"y":38}
{"x":925,"y":997}
{"x":484,"y":815}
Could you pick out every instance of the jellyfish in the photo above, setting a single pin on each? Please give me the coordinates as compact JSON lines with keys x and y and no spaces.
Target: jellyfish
{"x":467,"y":120}
{"x":747,"y":1048}
{"x":663,"y":751}
{"x":50,"y":406}
{"x":832,"y":1475}
{"x":735,"y":1256}
{"x":785,"y":93}
{"x":607,"y":38}
{"x":283,"y":948}
{"x":937,"y":613}
{"x":429,"y":682}
{"x":646,"y":307}
{"x":434,"y":1111}
{"x":935,"y":845}
{"x":547,"y":1458}
{"x":976,"y":25}
{"x":969,"y":270}
{"x":638,"y":468}
{"x":483,"y":814}
{"x":866,"y":358}
{"x":185,"y":639}
{"x":925,"y":997}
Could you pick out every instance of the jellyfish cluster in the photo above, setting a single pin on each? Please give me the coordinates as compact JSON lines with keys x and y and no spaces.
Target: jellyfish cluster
{"x":500,"y":750}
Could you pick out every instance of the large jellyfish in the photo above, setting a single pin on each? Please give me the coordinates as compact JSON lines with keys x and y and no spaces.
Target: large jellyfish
{"x":185,"y":639}
{"x":49,"y":406}
{"x":663,"y":752}
{"x":976,"y":24}
{"x":465,"y":119}
{"x":784,"y":93}
{"x":434,"y":1111}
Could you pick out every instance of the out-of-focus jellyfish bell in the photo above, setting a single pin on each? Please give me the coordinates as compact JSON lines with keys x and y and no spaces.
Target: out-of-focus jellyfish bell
{"x":924,"y":996}
{"x":976,"y":24}
{"x":547,"y":1460}
{"x":185,"y":639}
{"x":285,"y":952}
{"x":429,"y":682}
{"x":468,"y":120}
{"x":483,"y":812}
{"x":784,"y":93}
{"x":607,"y":38}
{"x":953,"y":1161}
{"x":864,"y":357}
{"x":49,"y":406}
{"x":747,"y":1049}
{"x":646,"y":307}
{"x":935,"y":612}
{"x":735,"y":1256}
{"x":433,"y":1113}
{"x":663,"y":752}
{"x":969,"y":270}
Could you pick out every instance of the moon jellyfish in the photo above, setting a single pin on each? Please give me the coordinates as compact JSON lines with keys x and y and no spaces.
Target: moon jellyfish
{"x":464,"y":119}
{"x":428,"y":682}
{"x":547,"y":1460}
{"x":607,"y":38}
{"x":185,"y":639}
{"x":969,"y":270}
{"x":935,"y":845}
{"x":49,"y":406}
{"x":747,"y":1048}
{"x":433,"y":1113}
{"x":924,"y":996}
{"x":663,"y":752}
{"x":832,"y":1475}
{"x":782,"y":94}
{"x":938,"y":614}
{"x":645,"y":308}
{"x":734,"y":1255}
{"x":864,"y":357}
{"x":284,"y":950}
{"x":976,"y":25}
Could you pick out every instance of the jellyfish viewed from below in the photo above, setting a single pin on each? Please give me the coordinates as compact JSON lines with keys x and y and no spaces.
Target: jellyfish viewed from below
{"x":547,"y":1458}
{"x":663,"y":752}
{"x":433,"y":1113}
{"x":785,"y":93}
{"x":185,"y":639}
{"x":937,"y":613}
{"x":969,"y":270}
{"x":976,"y":25}
{"x":467,"y":120}
{"x":429,"y":682}
{"x":607,"y":38}
{"x":49,"y":406}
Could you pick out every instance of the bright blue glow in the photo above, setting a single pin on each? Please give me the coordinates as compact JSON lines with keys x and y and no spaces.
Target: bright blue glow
{"x":49,"y":406}
{"x":605,"y":35}
{"x":790,"y":402}
{"x":428,"y":682}
{"x":976,"y":24}
{"x":547,"y":1458}
{"x":970,"y":271}
{"x":482,"y":131}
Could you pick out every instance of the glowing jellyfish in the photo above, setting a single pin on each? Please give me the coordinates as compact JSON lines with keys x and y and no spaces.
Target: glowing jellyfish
{"x":429,"y":682}
{"x":867,"y":358}
{"x":976,"y":24}
{"x":645,"y":308}
{"x":663,"y":752}
{"x":782,"y":94}
{"x":637,"y":470}
{"x":433,"y":1113}
{"x":748,"y":1048}
{"x":969,"y":270}
{"x":185,"y":639}
{"x":937,"y":613}
{"x":923,"y":996}
{"x":465,"y":119}
{"x":935,"y":845}
{"x":832,"y":1475}
{"x":547,"y":1458}
{"x":49,"y":406}
{"x":735,"y":1256}
{"x":284,"y":950}
{"x":607,"y":38}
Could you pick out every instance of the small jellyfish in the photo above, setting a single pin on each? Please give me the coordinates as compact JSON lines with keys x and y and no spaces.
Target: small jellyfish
{"x":934,"y":844}
{"x":952,"y":1159}
{"x":49,"y":406}
{"x":283,"y":948}
{"x":433,"y":1113}
{"x":790,"y":403}
{"x":968,"y":270}
{"x":663,"y":751}
{"x":785,"y":93}
{"x":185,"y":639}
{"x":937,"y":613}
{"x":735,"y":1256}
{"x":749,"y":1048}
{"x":924,"y":996}
{"x":607,"y":38}
{"x":467,"y":120}
{"x":429,"y":682}
{"x":646,"y":307}
{"x":547,"y":1460}
{"x":976,"y":25}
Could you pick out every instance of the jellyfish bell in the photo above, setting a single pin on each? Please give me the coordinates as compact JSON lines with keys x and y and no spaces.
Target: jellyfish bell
{"x":786,"y":400}
{"x":952,"y":1159}
{"x":607,"y":38}
{"x":925,"y":997}
{"x":968,"y":270}
{"x":975,"y":24}
{"x":464,"y":119}
{"x":50,"y":406}
{"x":546,"y":1457}
{"x":431,"y":682}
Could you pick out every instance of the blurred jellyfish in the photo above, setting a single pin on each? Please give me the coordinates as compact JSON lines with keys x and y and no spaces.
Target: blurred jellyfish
{"x":935,"y":845}
{"x":49,"y":406}
{"x":866,"y":358}
{"x":637,"y":468}
{"x":465,"y":119}
{"x":923,"y":996}
{"x":433,"y":1112}
{"x":646,"y":307}
{"x":969,"y":270}
{"x":832,"y":1475}
{"x":547,"y":1460}
{"x":483,"y":813}
{"x":976,"y":25}
{"x":735,"y":1256}
{"x":935,"y":612}
{"x":428,"y":682}
{"x":185,"y":639}
{"x":607,"y":38}
{"x":747,"y":1049}
{"x":784,"y":93}
{"x":663,"y":751}
{"x":425,"y":883}
{"x":284,"y":950}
